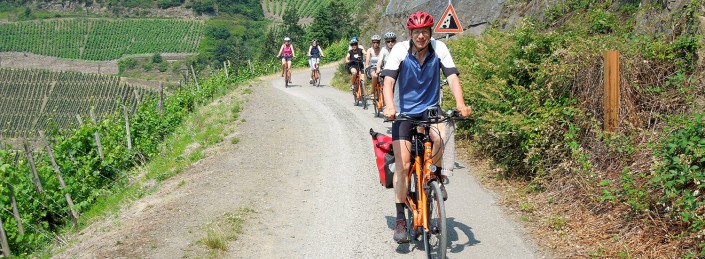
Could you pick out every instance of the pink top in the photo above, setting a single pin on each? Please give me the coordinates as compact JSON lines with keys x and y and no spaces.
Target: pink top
{"x":286,"y":51}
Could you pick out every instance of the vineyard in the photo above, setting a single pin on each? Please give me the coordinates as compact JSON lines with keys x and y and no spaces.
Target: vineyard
{"x":305,"y":8}
{"x":101,"y":39}
{"x":32,"y":100}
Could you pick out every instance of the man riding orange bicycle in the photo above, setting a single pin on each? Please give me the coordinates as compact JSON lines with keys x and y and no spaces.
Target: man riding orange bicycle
{"x":416,"y":65}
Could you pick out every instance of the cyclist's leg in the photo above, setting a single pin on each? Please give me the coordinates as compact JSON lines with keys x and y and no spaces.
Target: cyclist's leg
{"x":311,"y":64}
{"x":438,"y":135}
{"x":284,"y":67}
{"x":401,"y":145}
{"x":354,"y":72}
{"x":288,"y":68}
{"x":374,"y":80}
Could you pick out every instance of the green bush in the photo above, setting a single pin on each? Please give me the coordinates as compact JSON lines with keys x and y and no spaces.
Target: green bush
{"x":126,"y":63}
{"x":157,"y":58}
{"x":680,"y":174}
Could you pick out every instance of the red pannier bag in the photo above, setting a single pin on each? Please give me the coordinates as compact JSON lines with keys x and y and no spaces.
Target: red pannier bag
{"x":382,"y":145}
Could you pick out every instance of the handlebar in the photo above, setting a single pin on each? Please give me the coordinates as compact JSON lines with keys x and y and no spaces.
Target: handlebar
{"x":434,"y":117}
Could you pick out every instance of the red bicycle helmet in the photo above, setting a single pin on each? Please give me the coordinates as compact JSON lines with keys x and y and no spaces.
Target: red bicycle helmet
{"x":419,"y":20}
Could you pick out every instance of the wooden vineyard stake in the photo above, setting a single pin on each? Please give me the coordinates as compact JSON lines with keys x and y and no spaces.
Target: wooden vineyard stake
{"x":50,"y":152}
{"x":195,"y":78}
{"x":3,"y":242}
{"x":97,"y":136}
{"x":15,"y":211}
{"x":30,"y":159}
{"x":127,"y":128}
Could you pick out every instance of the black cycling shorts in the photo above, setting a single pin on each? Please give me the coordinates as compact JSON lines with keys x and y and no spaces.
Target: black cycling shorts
{"x":402,"y":130}
{"x":354,"y":64}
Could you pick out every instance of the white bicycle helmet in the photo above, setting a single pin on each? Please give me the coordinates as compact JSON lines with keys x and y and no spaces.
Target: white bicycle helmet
{"x":376,"y":38}
{"x":390,"y":36}
{"x":353,"y":41}
{"x":287,"y":39}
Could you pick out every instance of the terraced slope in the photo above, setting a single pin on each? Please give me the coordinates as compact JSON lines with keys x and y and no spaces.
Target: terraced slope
{"x":101,"y":39}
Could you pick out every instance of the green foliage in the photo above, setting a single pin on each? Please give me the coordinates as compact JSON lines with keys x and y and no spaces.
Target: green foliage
{"x":292,"y":29}
{"x":680,"y":172}
{"x":157,"y":58}
{"x":203,"y":6}
{"x":126,"y":63}
{"x":100,"y":39}
{"x":249,"y":8}
{"x":164,"y":4}
{"x":332,"y":23}
{"x":88,"y":177}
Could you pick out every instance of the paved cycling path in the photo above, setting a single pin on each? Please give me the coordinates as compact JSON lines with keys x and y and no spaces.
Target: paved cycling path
{"x":324,"y":199}
{"x":305,"y":166}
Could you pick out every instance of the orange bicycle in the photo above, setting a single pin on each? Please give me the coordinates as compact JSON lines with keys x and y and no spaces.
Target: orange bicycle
{"x":425,"y":208}
{"x":287,"y":74}
{"x":358,"y":90}
{"x":378,"y":98}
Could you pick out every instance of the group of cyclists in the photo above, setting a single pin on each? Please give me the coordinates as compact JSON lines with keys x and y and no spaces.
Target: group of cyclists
{"x":410,"y":86}
{"x":286,"y":54}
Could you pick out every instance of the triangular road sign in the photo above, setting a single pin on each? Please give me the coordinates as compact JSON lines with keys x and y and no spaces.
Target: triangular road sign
{"x":449,"y":22}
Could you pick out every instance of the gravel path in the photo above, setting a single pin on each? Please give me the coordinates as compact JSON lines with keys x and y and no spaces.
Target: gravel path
{"x":305,"y":166}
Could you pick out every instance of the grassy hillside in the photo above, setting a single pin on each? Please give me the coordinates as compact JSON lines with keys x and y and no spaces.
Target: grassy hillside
{"x":100,"y":39}
{"x":537,"y":94}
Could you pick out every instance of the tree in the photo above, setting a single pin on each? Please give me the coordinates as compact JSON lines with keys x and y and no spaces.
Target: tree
{"x":292,"y":29}
{"x":332,"y":23}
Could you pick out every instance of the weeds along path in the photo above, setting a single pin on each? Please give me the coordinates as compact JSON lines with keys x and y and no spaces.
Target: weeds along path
{"x":304,"y":169}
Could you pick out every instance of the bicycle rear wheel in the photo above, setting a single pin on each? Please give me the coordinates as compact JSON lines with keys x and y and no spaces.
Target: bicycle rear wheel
{"x":317,"y":78}
{"x":286,"y":78}
{"x":436,"y":240}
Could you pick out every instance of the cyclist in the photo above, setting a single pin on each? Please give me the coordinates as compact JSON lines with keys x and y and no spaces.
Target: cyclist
{"x":389,"y":40}
{"x":314,"y":57}
{"x":416,"y":65}
{"x":286,"y":53}
{"x":371,"y":58}
{"x":354,"y":63}
{"x":355,"y":39}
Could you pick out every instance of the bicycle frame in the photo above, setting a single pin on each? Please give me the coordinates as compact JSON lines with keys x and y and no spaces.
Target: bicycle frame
{"x":423,"y":176}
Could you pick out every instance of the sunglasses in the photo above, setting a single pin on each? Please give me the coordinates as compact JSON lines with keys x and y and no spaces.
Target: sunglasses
{"x":390,"y":41}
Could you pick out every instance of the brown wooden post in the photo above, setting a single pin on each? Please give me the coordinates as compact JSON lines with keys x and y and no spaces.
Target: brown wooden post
{"x":50,"y":152}
{"x":30,"y":159}
{"x":611,"y":97}
{"x":97,"y":136}
{"x":3,"y":242}
{"x":195,"y":78}
{"x":15,"y":211}
{"x":127,"y":128}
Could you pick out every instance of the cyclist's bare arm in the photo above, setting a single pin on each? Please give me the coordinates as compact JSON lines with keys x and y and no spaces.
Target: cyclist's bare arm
{"x":388,"y":93}
{"x":293,"y":54}
{"x":320,"y":50}
{"x":309,"y":50}
{"x":454,"y":84}
{"x":367,"y":59}
{"x":280,"y":51}
{"x":347,"y":58}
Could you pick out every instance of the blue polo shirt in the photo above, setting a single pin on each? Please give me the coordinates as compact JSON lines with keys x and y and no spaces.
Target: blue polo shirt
{"x":418,"y":84}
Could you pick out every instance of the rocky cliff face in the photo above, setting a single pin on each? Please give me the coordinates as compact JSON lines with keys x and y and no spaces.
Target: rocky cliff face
{"x":474,"y":15}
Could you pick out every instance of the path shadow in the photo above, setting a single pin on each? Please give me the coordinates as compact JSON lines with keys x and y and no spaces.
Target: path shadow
{"x":455,"y":231}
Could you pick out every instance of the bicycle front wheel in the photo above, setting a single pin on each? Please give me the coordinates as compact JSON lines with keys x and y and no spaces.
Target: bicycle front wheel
{"x":363,"y":95}
{"x":436,"y":239}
